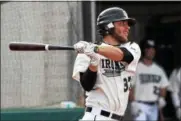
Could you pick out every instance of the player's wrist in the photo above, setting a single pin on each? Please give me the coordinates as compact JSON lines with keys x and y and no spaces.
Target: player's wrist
{"x":93,"y":68}
{"x":96,"y":49}
{"x":94,"y":59}
{"x":94,"y":62}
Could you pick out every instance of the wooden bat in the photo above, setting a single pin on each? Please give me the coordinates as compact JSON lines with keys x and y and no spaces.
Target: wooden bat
{"x":23,"y":46}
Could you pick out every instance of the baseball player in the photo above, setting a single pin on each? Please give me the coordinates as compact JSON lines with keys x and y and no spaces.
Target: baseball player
{"x":175,"y":88}
{"x":105,"y":71}
{"x":150,"y":84}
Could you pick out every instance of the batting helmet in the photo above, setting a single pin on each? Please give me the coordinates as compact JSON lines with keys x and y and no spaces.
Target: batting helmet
{"x":113,"y":14}
{"x":149,"y":43}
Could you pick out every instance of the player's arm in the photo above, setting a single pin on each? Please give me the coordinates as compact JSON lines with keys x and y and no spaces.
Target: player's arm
{"x":131,"y":95}
{"x":163,"y":92}
{"x":88,"y":78}
{"x":164,"y":84}
{"x":163,"y":89}
{"x":115,"y":53}
{"x":132,"y":90}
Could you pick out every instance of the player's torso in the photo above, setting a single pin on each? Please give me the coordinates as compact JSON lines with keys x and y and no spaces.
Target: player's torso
{"x":114,"y":80}
{"x":148,"y":80}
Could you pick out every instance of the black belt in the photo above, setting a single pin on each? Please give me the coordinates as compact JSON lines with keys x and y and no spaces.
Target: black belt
{"x":107,"y":114}
{"x":147,"y":102}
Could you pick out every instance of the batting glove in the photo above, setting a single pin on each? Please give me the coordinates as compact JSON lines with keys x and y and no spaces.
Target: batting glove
{"x":161,"y":102}
{"x":95,"y":59}
{"x":90,"y":49}
{"x":80,"y":46}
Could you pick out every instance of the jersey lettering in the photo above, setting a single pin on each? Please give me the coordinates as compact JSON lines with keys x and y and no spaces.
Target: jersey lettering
{"x":156,"y":90}
{"x":112,"y":68}
{"x":149,"y":78}
{"x":127,"y":84}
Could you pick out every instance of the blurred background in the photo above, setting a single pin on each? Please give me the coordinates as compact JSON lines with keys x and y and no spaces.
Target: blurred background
{"x":43,"y":79}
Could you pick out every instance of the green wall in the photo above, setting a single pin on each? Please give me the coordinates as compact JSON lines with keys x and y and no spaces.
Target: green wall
{"x":42,"y":114}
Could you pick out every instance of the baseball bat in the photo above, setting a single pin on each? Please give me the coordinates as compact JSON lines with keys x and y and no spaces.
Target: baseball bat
{"x":22,"y":46}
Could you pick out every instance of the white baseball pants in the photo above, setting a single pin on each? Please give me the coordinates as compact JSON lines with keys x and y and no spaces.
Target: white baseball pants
{"x":147,"y":112}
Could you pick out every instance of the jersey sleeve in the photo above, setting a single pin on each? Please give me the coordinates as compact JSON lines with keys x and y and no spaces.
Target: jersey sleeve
{"x":134,"y":49}
{"x":80,"y":65}
{"x":164,"y":79}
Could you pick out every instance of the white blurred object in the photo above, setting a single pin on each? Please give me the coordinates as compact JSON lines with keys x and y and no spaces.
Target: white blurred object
{"x":135,"y":108}
{"x":68,"y":104}
{"x":161,"y":102}
{"x":178,"y":113}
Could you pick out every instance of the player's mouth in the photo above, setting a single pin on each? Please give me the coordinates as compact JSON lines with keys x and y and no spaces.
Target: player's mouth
{"x":126,"y":34}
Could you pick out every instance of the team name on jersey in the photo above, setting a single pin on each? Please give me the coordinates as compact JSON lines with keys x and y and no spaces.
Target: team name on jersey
{"x":112,"y":68}
{"x":149,"y":78}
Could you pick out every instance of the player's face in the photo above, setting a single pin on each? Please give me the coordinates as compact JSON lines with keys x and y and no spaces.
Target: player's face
{"x":150,"y":53}
{"x":121,"y":30}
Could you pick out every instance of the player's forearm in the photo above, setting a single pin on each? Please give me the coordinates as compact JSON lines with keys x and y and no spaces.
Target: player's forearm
{"x":163,"y":92}
{"x":88,"y":79}
{"x":111,"y":52}
{"x":93,"y":68}
{"x":131,"y":95}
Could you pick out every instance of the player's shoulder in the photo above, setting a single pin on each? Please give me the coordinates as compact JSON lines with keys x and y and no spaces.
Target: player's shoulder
{"x":133,"y":46}
{"x":158,"y":66}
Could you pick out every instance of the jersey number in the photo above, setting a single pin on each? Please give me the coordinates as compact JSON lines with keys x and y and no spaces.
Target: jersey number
{"x":156,"y":90}
{"x":127,"y":84}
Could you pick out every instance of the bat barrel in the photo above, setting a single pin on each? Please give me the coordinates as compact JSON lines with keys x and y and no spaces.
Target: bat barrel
{"x":20,"y":46}
{"x":26,"y":47}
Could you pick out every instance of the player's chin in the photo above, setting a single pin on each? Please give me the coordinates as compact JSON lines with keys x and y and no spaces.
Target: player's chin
{"x":125,"y":39}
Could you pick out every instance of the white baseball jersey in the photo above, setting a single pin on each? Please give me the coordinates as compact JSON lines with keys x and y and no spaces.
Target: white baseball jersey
{"x":113,"y":78}
{"x":148,"y":80}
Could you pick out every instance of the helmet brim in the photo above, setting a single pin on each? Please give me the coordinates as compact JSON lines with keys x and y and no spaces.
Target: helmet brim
{"x":131,"y":21}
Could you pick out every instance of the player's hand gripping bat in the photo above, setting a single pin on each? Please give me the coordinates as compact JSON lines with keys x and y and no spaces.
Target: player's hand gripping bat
{"x":22,"y":46}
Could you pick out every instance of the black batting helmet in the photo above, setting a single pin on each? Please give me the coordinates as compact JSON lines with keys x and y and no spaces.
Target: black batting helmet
{"x":113,"y":14}
{"x":149,"y":43}
{"x":146,"y":44}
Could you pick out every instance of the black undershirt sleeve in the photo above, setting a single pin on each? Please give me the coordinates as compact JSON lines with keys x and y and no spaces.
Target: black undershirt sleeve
{"x":128,"y":57}
{"x":88,"y":79}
